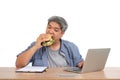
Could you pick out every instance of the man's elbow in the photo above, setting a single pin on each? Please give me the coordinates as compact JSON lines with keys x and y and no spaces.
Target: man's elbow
{"x":20,"y":65}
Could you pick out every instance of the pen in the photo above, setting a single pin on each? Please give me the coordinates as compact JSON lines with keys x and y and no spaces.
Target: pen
{"x":46,"y":69}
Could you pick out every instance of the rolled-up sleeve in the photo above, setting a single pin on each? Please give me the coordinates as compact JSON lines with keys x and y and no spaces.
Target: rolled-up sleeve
{"x":76,"y":55}
{"x":31,"y":45}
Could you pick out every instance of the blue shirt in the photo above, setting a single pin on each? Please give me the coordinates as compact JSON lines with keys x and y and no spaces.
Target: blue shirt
{"x":68,"y":49}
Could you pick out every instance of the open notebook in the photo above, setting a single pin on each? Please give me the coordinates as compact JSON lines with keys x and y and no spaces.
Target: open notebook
{"x":32,"y":69}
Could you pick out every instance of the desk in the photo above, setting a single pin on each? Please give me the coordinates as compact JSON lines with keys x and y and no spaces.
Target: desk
{"x":8,"y":73}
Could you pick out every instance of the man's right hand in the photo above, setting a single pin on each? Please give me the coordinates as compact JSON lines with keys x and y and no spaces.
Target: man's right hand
{"x":41,"y":38}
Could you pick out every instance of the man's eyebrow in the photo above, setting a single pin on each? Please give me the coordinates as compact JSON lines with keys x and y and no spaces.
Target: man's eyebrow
{"x":57,"y":28}
{"x":49,"y":25}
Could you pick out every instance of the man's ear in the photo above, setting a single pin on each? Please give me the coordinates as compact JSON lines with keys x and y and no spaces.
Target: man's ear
{"x":62,"y":33}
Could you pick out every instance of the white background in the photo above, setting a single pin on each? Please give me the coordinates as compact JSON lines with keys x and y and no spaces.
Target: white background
{"x":92,"y":24}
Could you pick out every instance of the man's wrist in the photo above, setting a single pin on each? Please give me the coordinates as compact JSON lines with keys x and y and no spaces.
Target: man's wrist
{"x":37,"y":46}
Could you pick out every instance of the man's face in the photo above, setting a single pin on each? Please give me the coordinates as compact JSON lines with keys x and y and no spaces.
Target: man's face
{"x":54,"y":29}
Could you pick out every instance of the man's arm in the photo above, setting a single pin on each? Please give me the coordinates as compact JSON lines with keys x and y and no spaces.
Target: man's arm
{"x":23,"y":59}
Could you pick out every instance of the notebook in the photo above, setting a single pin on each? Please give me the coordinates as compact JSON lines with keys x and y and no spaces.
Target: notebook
{"x":32,"y":69}
{"x":95,"y":61}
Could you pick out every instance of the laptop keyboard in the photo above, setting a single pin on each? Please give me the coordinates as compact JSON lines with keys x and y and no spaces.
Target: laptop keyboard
{"x":73,"y":69}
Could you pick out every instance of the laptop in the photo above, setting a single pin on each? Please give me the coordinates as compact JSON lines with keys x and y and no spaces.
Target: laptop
{"x":95,"y":61}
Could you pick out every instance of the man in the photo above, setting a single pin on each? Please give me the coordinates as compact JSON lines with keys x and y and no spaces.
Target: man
{"x":60,"y":53}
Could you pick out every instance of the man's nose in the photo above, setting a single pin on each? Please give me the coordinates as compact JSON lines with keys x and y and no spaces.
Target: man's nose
{"x":51,"y":31}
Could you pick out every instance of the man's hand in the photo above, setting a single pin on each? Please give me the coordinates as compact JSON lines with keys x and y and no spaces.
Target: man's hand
{"x":80,"y":64}
{"x":42,"y":37}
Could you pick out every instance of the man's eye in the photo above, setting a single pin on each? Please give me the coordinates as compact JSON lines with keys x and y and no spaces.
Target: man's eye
{"x":56,"y":30}
{"x":49,"y":27}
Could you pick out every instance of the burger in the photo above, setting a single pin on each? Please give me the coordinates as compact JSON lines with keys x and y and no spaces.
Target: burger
{"x":49,"y":42}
